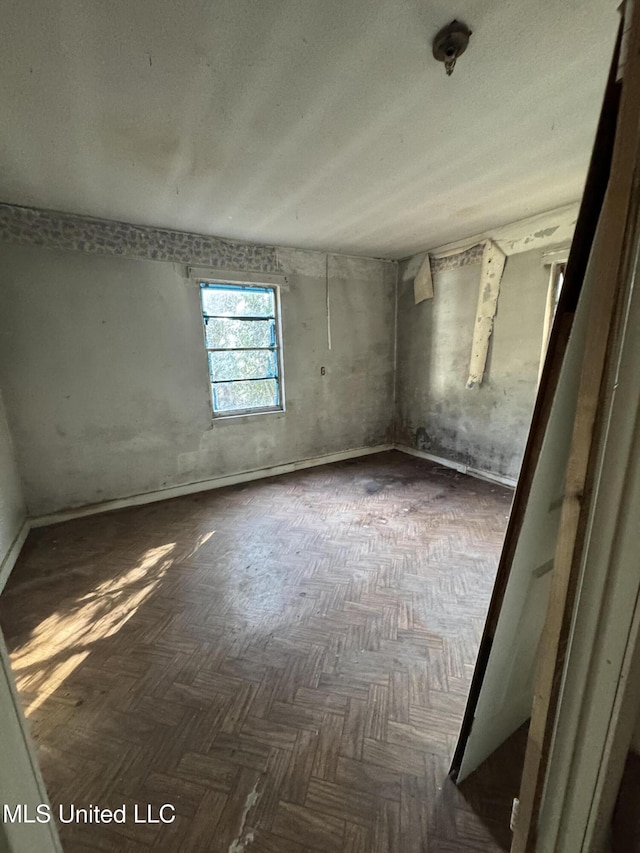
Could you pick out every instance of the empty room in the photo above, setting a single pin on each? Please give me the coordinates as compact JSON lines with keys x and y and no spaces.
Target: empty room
{"x":315,"y":323}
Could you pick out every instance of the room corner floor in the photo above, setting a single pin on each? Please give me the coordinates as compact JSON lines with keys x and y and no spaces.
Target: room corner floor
{"x":287,"y":662}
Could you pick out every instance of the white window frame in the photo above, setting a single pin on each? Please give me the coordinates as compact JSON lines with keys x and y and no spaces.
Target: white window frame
{"x":274,"y":283}
{"x":556,"y":261}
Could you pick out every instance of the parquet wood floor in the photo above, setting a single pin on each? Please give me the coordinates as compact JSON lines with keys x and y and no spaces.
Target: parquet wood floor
{"x":286,"y":662}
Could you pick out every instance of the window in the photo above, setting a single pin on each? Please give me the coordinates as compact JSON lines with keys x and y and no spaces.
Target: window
{"x":242,"y":340}
{"x":556,"y":280}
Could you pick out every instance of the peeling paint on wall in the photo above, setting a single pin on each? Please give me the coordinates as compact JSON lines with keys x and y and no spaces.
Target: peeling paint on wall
{"x":542,"y":231}
{"x":423,"y":283}
{"x":137,"y":330}
{"x":51,"y":230}
{"x":455,"y":260}
{"x":484,"y":429}
{"x":493,"y":261}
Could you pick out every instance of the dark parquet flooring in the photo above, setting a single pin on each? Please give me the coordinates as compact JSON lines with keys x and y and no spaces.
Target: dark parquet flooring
{"x":286,"y":662}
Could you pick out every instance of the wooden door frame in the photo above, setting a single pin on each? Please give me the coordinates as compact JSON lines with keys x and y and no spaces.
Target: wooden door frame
{"x":613,"y":271}
{"x":589,"y":213}
{"x":600,"y":697}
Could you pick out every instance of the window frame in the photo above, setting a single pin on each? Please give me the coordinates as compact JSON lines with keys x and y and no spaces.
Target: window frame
{"x":555,"y":263}
{"x":232,"y":283}
{"x":557,"y":272}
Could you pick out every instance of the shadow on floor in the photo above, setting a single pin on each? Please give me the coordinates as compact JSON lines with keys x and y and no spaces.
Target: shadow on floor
{"x":491,"y":789}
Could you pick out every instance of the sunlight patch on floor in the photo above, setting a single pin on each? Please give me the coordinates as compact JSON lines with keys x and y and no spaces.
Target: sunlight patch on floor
{"x":59,"y":644}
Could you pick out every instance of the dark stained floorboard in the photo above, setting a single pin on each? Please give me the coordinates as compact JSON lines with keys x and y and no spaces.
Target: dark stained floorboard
{"x":286,"y":662}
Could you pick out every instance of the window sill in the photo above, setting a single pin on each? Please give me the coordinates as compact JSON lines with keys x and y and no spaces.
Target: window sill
{"x":234,"y":416}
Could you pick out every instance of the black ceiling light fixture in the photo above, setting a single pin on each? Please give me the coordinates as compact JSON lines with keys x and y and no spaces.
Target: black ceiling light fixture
{"x":450,"y":42}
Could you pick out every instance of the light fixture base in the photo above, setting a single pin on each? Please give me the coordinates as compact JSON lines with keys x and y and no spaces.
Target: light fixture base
{"x":450,"y":43}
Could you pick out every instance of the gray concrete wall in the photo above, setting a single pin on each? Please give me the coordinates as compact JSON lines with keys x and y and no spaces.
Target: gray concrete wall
{"x":12,"y":506}
{"x":486,"y":427}
{"x":106,"y":382}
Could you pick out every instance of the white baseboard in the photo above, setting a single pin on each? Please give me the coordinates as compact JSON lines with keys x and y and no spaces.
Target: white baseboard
{"x":489,"y":476}
{"x":205,"y":485}
{"x":421,"y":454}
{"x":244,"y":477}
{"x":219,"y":482}
{"x":457,"y":466}
{"x":12,"y":554}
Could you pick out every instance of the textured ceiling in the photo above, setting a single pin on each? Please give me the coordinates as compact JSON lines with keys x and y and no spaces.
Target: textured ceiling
{"x":310,"y":123}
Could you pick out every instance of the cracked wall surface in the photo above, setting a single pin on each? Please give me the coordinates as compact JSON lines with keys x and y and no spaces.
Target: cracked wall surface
{"x":106,"y":384}
{"x":483,"y":427}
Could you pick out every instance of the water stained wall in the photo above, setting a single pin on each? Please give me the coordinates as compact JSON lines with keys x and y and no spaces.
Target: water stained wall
{"x":106,"y":384}
{"x":486,"y":427}
{"x":104,"y":372}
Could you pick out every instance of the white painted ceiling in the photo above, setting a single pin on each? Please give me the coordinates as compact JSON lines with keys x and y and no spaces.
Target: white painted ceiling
{"x":311,"y":123}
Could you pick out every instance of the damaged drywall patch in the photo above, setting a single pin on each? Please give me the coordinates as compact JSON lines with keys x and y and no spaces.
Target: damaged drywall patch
{"x":423,"y":282}
{"x":486,"y":427}
{"x":51,"y":230}
{"x":433,"y":264}
{"x":555,"y":227}
{"x":546,"y":232}
{"x":493,"y":262}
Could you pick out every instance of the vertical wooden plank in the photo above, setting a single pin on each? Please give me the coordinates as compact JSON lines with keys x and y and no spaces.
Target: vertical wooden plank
{"x":386,"y":837}
{"x":354,"y":729}
{"x":326,"y":758}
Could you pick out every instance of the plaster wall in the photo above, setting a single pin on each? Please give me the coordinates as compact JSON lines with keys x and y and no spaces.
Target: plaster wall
{"x":105,"y":375}
{"x":12,"y":505}
{"x":484,"y":427}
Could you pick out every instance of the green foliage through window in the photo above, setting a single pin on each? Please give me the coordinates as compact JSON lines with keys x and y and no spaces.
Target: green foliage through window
{"x":241,"y":337}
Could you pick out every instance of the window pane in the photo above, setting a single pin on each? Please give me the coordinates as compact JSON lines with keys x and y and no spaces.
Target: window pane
{"x":254,"y":364}
{"x":245,"y":395}
{"x":243,"y":355}
{"x":240,"y":333}
{"x":238,"y":301}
